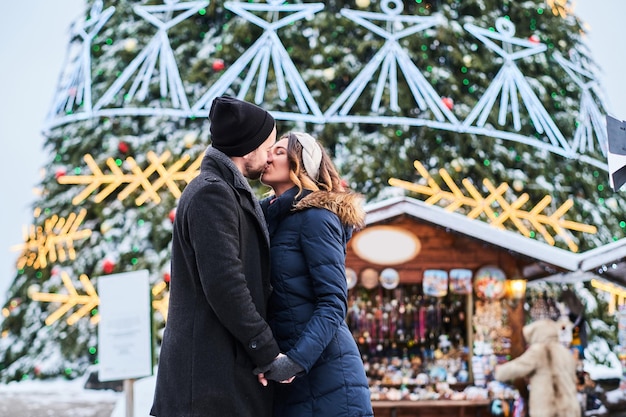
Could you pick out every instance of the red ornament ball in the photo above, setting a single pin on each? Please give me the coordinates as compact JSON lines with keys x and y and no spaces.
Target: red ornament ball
{"x":448,"y":102}
{"x":123,"y":147}
{"x":59,"y":173}
{"x":172,"y":215}
{"x":218,"y":65}
{"x":108,"y":266}
{"x":166,"y":276}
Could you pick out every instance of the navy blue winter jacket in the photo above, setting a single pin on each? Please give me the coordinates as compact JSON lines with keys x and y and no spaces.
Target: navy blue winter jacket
{"x":308,"y":306}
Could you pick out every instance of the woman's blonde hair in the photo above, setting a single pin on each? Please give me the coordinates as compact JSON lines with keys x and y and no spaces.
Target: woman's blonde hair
{"x":328,"y":179}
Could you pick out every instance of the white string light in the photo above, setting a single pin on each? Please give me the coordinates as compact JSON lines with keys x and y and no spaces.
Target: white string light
{"x":390,"y":61}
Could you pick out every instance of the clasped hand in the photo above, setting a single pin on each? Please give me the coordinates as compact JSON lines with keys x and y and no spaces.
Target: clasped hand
{"x":281,"y":370}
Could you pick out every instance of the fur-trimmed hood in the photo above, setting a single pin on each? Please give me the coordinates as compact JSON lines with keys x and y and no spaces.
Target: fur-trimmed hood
{"x":347,"y":206}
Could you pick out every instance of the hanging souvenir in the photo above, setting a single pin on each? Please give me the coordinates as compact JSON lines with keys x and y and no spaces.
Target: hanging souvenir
{"x":351,"y":277}
{"x":460,"y":281}
{"x":540,"y":309}
{"x":435,"y":282}
{"x":489,"y":283}
{"x":369,"y":278}
{"x":389,"y":278}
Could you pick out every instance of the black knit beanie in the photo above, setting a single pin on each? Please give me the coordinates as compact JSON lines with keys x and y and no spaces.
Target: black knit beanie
{"x":238,"y":127}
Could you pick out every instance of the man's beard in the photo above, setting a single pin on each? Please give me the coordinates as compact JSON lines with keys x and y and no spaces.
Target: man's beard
{"x":254,"y":173}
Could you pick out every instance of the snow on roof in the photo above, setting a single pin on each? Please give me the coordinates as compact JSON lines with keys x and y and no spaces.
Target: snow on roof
{"x":577,"y":263}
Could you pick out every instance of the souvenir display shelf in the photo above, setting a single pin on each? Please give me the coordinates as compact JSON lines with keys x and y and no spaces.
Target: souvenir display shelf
{"x":414,"y":346}
{"x":423,"y":345}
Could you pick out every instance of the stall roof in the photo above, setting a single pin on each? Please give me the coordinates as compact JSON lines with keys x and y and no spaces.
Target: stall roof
{"x":594,"y":261}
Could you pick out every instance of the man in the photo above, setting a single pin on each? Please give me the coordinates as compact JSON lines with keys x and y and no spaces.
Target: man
{"x":216,"y":333}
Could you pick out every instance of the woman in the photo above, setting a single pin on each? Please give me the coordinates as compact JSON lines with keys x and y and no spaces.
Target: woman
{"x":310,"y":219}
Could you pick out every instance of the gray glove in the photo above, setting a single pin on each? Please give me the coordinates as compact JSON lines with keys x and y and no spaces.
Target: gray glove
{"x":281,"y":369}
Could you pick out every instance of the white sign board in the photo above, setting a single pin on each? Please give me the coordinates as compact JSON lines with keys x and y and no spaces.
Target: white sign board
{"x":125,"y":328}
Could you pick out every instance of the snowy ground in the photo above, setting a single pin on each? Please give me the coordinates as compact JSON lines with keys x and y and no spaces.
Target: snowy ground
{"x":62,"y":398}
{"x":143,"y":390}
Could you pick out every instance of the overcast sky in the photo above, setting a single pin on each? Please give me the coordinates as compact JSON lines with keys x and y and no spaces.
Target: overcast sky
{"x":33,"y":40}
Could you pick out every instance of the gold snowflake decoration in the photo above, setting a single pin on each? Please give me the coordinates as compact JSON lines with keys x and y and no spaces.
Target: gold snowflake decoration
{"x":150,"y":180}
{"x":162,"y":304}
{"x":505,"y":211}
{"x":616,"y":294}
{"x":51,"y":242}
{"x":560,"y":7}
{"x":70,"y":300}
{"x":89,"y":301}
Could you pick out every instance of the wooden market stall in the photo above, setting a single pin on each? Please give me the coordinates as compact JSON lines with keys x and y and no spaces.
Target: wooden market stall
{"x":433,"y":305}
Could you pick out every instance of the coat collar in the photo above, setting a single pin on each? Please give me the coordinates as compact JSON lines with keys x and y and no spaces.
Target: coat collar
{"x":276,"y":209}
{"x":236,"y":179}
{"x":347,"y":206}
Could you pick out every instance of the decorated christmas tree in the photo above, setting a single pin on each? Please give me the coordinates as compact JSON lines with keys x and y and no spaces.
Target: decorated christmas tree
{"x":499,"y":94}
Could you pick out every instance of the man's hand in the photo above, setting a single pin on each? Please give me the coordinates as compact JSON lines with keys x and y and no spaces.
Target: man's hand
{"x":262,"y":379}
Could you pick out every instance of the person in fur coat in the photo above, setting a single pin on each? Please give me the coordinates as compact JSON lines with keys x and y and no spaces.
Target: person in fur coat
{"x":310,"y":218}
{"x":551,"y":370}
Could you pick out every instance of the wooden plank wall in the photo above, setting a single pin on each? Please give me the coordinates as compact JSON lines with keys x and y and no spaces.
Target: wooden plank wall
{"x":440,"y":249}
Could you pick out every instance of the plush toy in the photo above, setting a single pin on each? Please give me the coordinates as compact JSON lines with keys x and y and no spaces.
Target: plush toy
{"x":551,"y":369}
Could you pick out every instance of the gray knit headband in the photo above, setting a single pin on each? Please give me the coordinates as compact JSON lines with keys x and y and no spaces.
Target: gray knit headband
{"x":311,"y":154}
